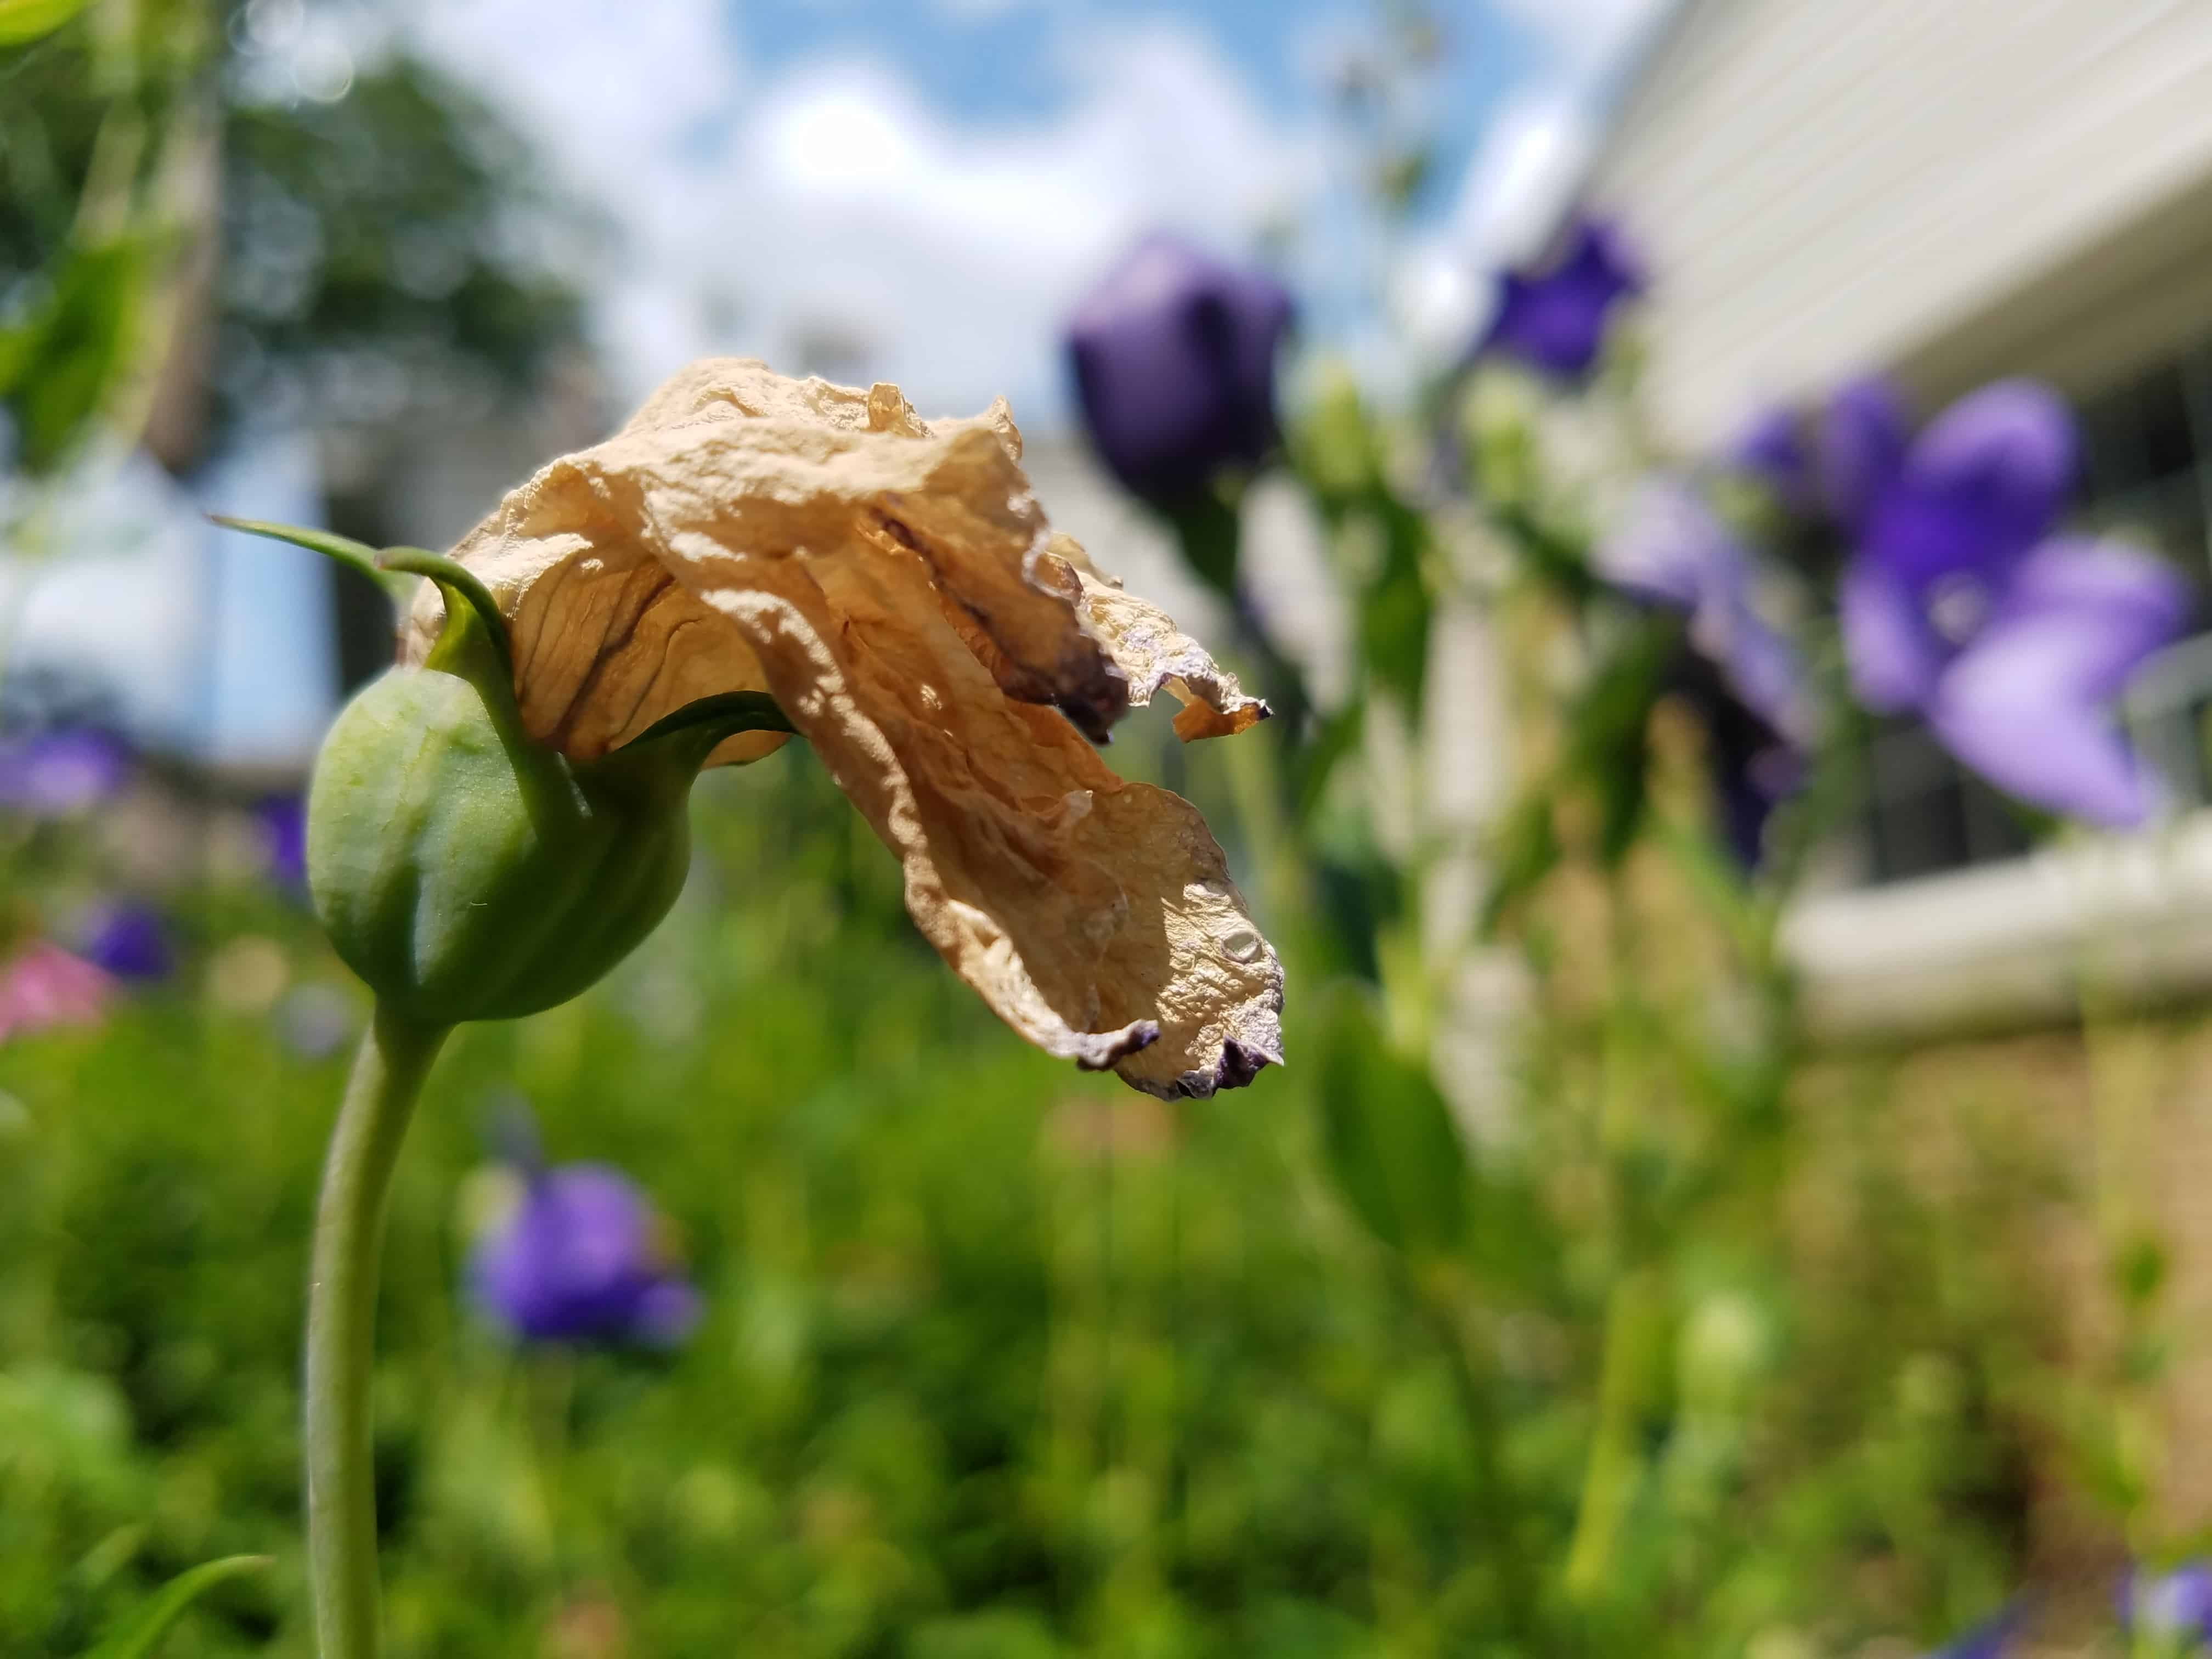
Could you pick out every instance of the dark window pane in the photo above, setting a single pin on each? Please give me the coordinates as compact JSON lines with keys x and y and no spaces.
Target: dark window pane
{"x":2169,"y":446}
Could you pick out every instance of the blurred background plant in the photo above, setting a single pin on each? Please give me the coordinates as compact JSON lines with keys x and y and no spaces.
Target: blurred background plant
{"x":1565,"y":1294}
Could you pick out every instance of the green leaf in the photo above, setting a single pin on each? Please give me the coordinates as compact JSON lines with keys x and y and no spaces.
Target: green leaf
{"x":139,"y":1634}
{"x":26,"y":20}
{"x":1339,"y":736}
{"x":1210,"y":533}
{"x":61,"y":365}
{"x":1609,"y":732}
{"x":1394,"y":611}
{"x":1524,"y":850}
{"x":1392,"y":1148}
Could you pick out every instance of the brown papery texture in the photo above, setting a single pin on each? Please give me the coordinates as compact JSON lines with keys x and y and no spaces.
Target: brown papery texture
{"x":892,"y":583}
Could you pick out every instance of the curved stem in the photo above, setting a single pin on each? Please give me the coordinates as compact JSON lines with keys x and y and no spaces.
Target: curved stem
{"x":394,"y":1058}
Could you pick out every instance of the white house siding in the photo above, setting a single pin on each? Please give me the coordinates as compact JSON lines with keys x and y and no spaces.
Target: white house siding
{"x":1949,"y":188}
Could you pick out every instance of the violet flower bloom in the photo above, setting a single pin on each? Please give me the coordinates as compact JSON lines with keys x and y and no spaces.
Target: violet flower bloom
{"x":1958,"y":602}
{"x":129,"y":940}
{"x":62,"y":772}
{"x":1173,"y":354}
{"x":580,"y":1261}
{"x":2173,"y":1605}
{"x":44,"y":986}
{"x":1554,"y":319}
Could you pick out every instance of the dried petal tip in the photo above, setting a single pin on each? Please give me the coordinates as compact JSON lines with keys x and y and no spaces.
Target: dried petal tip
{"x":1148,"y":648}
{"x":1097,"y":1051}
{"x":890,"y":582}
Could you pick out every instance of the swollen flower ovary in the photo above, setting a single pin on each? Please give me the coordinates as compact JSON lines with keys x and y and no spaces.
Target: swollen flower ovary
{"x":465,"y":873}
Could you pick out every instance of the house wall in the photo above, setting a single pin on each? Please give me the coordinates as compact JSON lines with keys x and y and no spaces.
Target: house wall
{"x":1948,"y":190}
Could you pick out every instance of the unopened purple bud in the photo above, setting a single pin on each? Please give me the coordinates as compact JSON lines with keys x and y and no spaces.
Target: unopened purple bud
{"x":1173,"y":354}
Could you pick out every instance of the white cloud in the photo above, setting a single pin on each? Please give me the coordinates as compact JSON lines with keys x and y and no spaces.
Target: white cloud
{"x":831,"y":216}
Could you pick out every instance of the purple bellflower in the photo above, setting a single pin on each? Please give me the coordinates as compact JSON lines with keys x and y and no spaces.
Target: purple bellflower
{"x":1749,"y":686}
{"x":129,"y":940}
{"x":1173,"y":354}
{"x":62,"y":772}
{"x":581,"y":1260}
{"x":1960,"y":603}
{"x":1554,"y":317}
{"x":2175,"y":1605}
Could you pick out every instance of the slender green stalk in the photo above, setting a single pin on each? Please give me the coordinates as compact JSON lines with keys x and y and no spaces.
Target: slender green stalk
{"x":1613,"y":1464}
{"x":395,"y":1057}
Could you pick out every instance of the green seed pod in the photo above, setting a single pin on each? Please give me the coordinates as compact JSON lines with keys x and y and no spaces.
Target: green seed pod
{"x":466,"y":872}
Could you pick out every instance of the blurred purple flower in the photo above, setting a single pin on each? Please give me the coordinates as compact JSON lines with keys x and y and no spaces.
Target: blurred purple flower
{"x":1989,"y":1640}
{"x":1554,"y":319}
{"x":1864,"y":435}
{"x":282,"y":822}
{"x":44,"y":985}
{"x":581,"y":1260}
{"x":2176,"y":1604}
{"x":128,"y":939}
{"x":1670,"y":549}
{"x":1173,"y":354}
{"x":1960,"y":603}
{"x":62,"y":772}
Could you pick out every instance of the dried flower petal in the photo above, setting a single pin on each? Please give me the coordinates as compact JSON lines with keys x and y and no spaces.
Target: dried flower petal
{"x":890,"y":583}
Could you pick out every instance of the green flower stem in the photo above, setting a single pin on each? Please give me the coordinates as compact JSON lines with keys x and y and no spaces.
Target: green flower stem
{"x":395,"y":1057}
{"x":1634,"y":1327}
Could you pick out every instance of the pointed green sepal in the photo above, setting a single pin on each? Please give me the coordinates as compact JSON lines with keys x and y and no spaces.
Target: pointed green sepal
{"x":461,"y":587}
{"x":721,"y":716}
{"x":392,"y":569}
{"x":664,"y":759}
{"x":355,"y":555}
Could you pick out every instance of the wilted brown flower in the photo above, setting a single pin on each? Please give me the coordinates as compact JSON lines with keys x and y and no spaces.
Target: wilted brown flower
{"x":892,"y":584}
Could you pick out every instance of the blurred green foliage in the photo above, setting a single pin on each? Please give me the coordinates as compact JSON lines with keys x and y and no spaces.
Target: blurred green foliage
{"x":348,"y":259}
{"x":1001,"y":1361}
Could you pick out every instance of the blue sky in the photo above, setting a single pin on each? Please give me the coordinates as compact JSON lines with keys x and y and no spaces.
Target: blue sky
{"x":918,"y":190}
